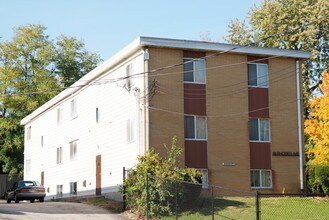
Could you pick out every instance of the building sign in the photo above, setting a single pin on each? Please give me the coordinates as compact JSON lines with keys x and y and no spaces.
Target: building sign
{"x":285,"y":153}
{"x":230,"y":164}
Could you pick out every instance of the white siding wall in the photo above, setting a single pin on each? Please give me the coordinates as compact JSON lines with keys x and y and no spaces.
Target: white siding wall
{"x":107,"y":138}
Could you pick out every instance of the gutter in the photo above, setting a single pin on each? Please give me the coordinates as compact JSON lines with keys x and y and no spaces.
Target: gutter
{"x":86,"y":79}
{"x":300,"y":128}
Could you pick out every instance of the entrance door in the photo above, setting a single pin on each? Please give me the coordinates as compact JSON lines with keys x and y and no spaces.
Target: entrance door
{"x":98,"y":175}
{"x":42,"y":178}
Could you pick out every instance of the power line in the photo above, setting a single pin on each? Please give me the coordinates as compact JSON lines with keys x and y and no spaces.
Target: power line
{"x":175,"y":65}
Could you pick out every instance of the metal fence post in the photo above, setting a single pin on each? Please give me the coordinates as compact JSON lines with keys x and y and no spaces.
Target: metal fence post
{"x":124,"y":189}
{"x":147,"y":196}
{"x":176,"y":200}
{"x":212,"y":203}
{"x":257,"y":206}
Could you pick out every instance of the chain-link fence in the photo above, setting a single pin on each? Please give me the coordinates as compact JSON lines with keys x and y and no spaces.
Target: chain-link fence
{"x":293,"y":206}
{"x":172,"y":199}
{"x":6,"y":181}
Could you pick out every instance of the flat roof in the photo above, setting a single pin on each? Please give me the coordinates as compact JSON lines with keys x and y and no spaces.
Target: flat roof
{"x":142,"y":42}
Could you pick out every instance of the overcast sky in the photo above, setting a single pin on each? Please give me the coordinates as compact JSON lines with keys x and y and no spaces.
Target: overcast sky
{"x":107,"y":26}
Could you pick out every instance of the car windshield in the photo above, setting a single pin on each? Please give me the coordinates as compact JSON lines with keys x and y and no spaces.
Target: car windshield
{"x":28,"y":183}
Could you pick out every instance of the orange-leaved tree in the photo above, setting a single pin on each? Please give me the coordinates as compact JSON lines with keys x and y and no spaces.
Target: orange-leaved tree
{"x":317,"y":126}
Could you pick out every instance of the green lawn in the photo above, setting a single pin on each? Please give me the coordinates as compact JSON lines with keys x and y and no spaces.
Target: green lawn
{"x":271,"y":208}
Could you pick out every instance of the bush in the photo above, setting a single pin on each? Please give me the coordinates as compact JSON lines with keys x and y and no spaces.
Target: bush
{"x":152,"y":181}
{"x":318,"y":179}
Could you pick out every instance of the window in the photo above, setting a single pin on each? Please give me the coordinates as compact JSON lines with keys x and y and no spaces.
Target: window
{"x":28,"y":166}
{"x":261,"y":178}
{"x":97,"y":115}
{"x":59,"y":116}
{"x":195,"y":127}
{"x":73,"y":188}
{"x":129,"y":69}
{"x":259,"y":129}
{"x":74,"y":113}
{"x":59,"y":190}
{"x":195,"y":70}
{"x":41,"y":141}
{"x":73,"y":150}
{"x":28,"y":133}
{"x":204,"y":178}
{"x":59,"y":155}
{"x":258,"y":75}
{"x":130,"y":130}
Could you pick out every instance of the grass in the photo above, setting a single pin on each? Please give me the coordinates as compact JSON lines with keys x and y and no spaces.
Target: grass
{"x":271,"y":208}
{"x":113,"y":206}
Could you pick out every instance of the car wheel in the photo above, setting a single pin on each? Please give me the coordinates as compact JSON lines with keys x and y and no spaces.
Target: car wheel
{"x":41,"y":199}
{"x":8,"y":201}
{"x":16,"y":199}
{"x":32,"y":200}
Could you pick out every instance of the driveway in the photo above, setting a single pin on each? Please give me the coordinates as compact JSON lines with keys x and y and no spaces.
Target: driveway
{"x":54,"y":210}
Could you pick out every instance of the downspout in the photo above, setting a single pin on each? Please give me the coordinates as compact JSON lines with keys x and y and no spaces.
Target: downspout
{"x":300,"y":129}
{"x":138,"y":121}
{"x":146,"y":98}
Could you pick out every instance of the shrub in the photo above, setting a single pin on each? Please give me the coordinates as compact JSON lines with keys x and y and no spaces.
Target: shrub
{"x":151,"y":181}
{"x":318,"y":179}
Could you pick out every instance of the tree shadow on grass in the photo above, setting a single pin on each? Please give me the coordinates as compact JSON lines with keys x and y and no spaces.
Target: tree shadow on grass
{"x":205,"y":206}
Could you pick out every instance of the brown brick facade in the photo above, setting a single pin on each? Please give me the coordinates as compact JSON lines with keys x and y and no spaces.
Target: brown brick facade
{"x":227,"y":110}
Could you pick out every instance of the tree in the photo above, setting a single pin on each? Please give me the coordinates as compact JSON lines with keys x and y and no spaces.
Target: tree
{"x":317,"y":134}
{"x":148,"y":187}
{"x":289,"y":24}
{"x":317,"y":127}
{"x":32,"y":71}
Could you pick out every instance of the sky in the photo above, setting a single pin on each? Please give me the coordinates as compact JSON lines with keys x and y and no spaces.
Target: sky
{"x":106,"y":26}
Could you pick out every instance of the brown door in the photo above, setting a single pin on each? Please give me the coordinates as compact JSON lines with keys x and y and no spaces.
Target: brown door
{"x":42,"y":178}
{"x":98,"y":175}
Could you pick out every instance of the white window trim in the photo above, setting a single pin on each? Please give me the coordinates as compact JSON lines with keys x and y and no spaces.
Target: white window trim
{"x":263,"y":187}
{"x":131,"y":131}
{"x":198,"y":139}
{"x":268,"y":80}
{"x":59,"y":155}
{"x":97,"y":115}
{"x":74,"y":114}
{"x":57,"y":191}
{"x":73,"y":157}
{"x":59,"y":116}
{"x":28,"y":166}
{"x":28,"y":132}
{"x":195,"y":59}
{"x":42,"y":141}
{"x":205,"y":185}
{"x":269,"y":131}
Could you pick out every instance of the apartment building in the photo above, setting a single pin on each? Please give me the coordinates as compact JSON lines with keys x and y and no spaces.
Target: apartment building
{"x":236,"y":111}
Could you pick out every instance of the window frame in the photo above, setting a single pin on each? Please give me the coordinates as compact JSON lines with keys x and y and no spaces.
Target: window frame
{"x":98,"y":117}
{"x":73,"y":188}
{"x":59,"y":116}
{"x":129,"y":73}
{"x":59,"y":190}
{"x":259,"y":130}
{"x":59,"y":155}
{"x":73,"y":108}
{"x":73,"y":150}
{"x":195,"y":128}
{"x":205,"y":178}
{"x":28,"y":166}
{"x":257,"y":75}
{"x":194,"y":61}
{"x":261,"y":171}
{"x":28,"y":132}
{"x":42,"y":141}
{"x":130,"y":126}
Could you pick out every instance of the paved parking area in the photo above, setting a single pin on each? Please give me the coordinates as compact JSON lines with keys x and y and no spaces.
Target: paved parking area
{"x":54,"y":210}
